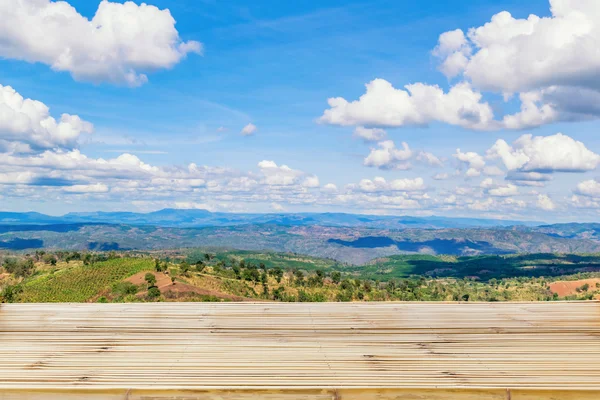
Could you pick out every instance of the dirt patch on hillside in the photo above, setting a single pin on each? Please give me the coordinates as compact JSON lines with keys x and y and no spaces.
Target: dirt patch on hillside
{"x":179,"y":290}
{"x":569,"y":288}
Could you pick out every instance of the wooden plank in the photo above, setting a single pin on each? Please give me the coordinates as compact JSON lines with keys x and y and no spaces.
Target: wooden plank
{"x":315,"y":351}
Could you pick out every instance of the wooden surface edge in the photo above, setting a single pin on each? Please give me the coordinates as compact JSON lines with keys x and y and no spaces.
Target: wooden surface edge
{"x":301,"y":394}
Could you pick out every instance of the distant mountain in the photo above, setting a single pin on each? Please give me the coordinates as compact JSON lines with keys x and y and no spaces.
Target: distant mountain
{"x":353,"y":245}
{"x":177,"y":218}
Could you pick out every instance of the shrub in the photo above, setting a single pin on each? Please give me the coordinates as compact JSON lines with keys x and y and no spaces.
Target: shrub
{"x":150,"y":278}
{"x":153,"y":292}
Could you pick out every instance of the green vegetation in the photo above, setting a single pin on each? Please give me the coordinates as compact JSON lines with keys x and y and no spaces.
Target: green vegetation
{"x":80,"y":283}
{"x":192,"y":275}
{"x":479,"y":267}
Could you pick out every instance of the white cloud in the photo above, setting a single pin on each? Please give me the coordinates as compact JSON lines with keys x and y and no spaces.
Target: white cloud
{"x":589,"y":188}
{"x":387,"y":156}
{"x":93,"y":188}
{"x":550,"y":61}
{"x":480,"y":205}
{"x":419,"y":104}
{"x":504,"y":191}
{"x":487,"y":183}
{"x":492,"y":170}
{"x":514,"y":55}
{"x":190,"y":205}
{"x":275,"y":175}
{"x":330,"y":187}
{"x":474,"y":162}
{"x":311,"y":182}
{"x":429,"y":158}
{"x":29,"y":123}
{"x":369,"y":134}
{"x":119,"y":44}
{"x":381,"y":184}
{"x":249,"y":129}
{"x":545,"y":202}
{"x":277,"y":207}
{"x":556,"y":153}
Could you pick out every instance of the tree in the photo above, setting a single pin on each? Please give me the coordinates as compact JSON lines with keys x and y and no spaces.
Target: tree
{"x":200,"y":266}
{"x":336,"y":277}
{"x":10,"y":294}
{"x":157,"y":265}
{"x":153,"y":292}
{"x":299,"y":277}
{"x":277,"y":273}
{"x":184,"y":268}
{"x":50,"y":259}
{"x":150,"y":278}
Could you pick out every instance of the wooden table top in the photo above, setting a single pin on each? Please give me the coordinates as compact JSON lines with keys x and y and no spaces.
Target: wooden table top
{"x":301,"y":351}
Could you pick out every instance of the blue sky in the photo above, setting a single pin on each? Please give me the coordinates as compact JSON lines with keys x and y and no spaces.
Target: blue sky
{"x":275,"y":65}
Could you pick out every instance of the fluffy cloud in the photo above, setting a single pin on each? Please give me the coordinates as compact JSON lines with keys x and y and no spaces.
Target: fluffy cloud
{"x":514,"y":55}
{"x":330,"y":187}
{"x":474,"y":162}
{"x":387,"y":156}
{"x":311,"y":182}
{"x":556,"y":153}
{"x":117,"y":45}
{"x":419,"y":104}
{"x":380,"y":184}
{"x":276,"y":175}
{"x":589,"y":188}
{"x":249,"y":129}
{"x":29,"y":123}
{"x":550,"y":61}
{"x":504,"y":191}
{"x":430,"y":159}
{"x":545,"y":202}
{"x":369,"y":134}
{"x":94,"y":188}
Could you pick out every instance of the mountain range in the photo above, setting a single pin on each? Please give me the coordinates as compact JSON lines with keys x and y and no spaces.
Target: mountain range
{"x":202,"y":218}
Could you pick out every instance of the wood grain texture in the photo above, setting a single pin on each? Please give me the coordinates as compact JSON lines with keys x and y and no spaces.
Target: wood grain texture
{"x":243,"y":351}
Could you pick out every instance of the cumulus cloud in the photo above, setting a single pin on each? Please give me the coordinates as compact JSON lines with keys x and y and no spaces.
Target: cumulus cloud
{"x":380,"y":184}
{"x":249,"y":129}
{"x":369,"y":134}
{"x":93,"y":188}
{"x":282,"y":175}
{"x":514,"y":55}
{"x":387,"y":156}
{"x":277,"y":207}
{"x":419,"y":104}
{"x":550,"y":61}
{"x":28,"y":122}
{"x":589,"y":188}
{"x":311,"y":182}
{"x":475,"y":163}
{"x":330,"y":187}
{"x":430,"y":159}
{"x":504,"y":191}
{"x":545,"y":202}
{"x":119,"y":44}
{"x":545,"y":154}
